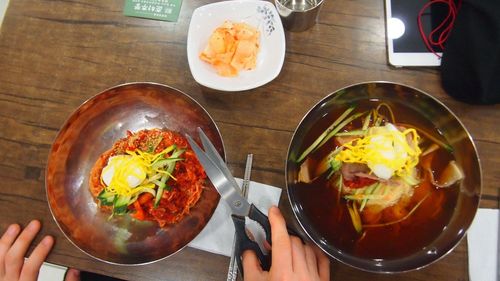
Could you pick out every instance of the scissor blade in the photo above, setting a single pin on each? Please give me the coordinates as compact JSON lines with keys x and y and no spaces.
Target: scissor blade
{"x":214,"y":155}
{"x":227,"y":190}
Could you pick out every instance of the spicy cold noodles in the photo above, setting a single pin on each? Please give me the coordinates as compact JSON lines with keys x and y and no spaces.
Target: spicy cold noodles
{"x":152,"y":175}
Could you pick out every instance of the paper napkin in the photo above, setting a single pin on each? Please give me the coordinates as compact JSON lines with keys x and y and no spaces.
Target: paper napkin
{"x":218,"y":235}
{"x":483,"y":248}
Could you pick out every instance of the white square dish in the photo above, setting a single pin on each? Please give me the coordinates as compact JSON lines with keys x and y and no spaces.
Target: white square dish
{"x":260,"y":14}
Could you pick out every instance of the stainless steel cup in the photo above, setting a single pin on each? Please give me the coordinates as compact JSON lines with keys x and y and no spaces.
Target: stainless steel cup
{"x":298,"y":15}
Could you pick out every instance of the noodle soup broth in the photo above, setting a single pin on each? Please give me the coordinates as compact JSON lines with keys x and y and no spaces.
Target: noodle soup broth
{"x":422,"y":217}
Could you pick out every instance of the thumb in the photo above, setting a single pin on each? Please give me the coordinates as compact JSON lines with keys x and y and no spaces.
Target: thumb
{"x":72,"y":275}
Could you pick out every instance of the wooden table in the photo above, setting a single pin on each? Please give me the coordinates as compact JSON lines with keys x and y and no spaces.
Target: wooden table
{"x":56,"y":54}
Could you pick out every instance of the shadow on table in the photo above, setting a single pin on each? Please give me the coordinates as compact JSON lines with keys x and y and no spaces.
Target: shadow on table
{"x":88,"y":276}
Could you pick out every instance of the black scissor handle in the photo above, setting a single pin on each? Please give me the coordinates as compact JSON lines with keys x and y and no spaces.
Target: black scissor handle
{"x":256,"y":215}
{"x":243,"y":242}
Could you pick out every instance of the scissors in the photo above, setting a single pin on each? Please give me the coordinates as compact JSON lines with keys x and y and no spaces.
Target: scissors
{"x":227,"y":187}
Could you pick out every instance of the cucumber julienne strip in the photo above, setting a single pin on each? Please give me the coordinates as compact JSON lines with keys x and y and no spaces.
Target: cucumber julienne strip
{"x":315,"y":144}
{"x":339,"y":127}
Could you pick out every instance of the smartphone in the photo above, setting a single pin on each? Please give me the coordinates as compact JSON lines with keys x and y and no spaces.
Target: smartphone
{"x":405,"y":46}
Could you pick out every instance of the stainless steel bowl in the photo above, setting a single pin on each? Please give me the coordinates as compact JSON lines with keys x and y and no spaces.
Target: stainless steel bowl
{"x":91,"y":130}
{"x":451,"y":128}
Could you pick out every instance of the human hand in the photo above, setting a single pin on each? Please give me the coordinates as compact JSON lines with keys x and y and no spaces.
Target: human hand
{"x":13,"y":248}
{"x":291,"y":259}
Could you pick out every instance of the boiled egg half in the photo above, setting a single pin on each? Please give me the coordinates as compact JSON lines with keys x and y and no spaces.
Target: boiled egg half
{"x":123,"y":172}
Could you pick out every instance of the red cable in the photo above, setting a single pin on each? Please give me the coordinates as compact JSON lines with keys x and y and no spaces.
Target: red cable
{"x":443,"y":29}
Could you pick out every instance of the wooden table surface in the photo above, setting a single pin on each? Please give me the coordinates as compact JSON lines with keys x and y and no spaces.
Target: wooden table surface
{"x":56,"y":54}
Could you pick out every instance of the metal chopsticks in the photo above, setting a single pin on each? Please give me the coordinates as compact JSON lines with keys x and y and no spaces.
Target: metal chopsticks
{"x":232,"y":273}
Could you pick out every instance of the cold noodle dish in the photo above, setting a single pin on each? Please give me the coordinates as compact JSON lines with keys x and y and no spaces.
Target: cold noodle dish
{"x":150,"y":175}
{"x":376,"y":182}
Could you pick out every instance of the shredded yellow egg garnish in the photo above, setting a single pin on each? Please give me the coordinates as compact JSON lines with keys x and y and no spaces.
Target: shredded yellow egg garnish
{"x":126,"y":174}
{"x":149,"y":159}
{"x":385,"y":150}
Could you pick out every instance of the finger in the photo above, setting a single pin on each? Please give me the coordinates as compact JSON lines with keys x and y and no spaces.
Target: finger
{"x":312,"y":264}
{"x":14,"y":259}
{"x":281,"y":245}
{"x":32,"y":265}
{"x":72,"y":275}
{"x":6,"y":241}
{"x":266,"y":245}
{"x":251,"y":265}
{"x":299,"y":258}
{"x":323,"y":264}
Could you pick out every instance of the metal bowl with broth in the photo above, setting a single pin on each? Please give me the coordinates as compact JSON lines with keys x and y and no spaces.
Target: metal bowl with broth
{"x":91,"y":130}
{"x":434,"y":226}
